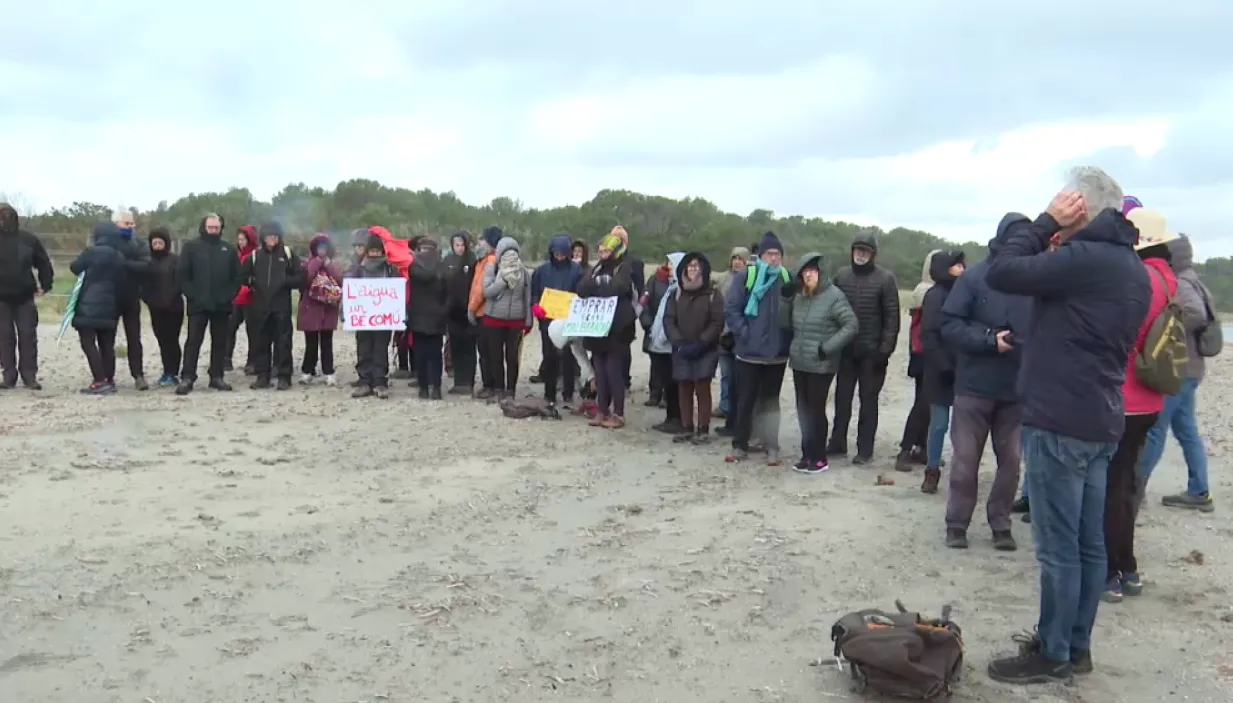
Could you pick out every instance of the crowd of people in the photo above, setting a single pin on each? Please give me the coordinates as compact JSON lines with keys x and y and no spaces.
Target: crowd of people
{"x":1056,"y":347}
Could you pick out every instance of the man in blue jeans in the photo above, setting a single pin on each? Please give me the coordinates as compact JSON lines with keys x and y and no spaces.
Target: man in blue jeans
{"x":1179,"y":410}
{"x":1090,"y":297}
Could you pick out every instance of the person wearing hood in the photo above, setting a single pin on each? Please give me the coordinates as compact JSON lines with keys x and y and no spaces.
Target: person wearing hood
{"x":22,"y":255}
{"x":822,"y":325}
{"x":165,"y":302}
{"x":319,"y":309}
{"x":563,"y":274}
{"x":137,"y":265}
{"x":874,"y":296}
{"x":657,"y":347}
{"x":272,"y":273}
{"x":1090,"y":298}
{"x":738,"y":262}
{"x":938,"y":357}
{"x":427,"y":316}
{"x":693,"y":322}
{"x":245,"y":246}
{"x":916,"y":427}
{"x":758,"y":311}
{"x":611,"y":277}
{"x":98,"y":304}
{"x":459,"y":271}
{"x":580,"y":253}
{"x":477,"y":306}
{"x":372,"y":358}
{"x":507,"y":315}
{"x":210,"y":275}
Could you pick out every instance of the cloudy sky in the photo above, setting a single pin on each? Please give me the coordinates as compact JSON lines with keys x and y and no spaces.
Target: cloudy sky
{"x":937,"y":115}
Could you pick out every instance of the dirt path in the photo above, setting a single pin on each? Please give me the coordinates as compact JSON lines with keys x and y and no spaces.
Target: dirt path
{"x":302,"y":546}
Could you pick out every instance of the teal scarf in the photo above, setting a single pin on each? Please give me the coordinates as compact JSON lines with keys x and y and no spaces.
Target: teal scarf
{"x":763,"y":280}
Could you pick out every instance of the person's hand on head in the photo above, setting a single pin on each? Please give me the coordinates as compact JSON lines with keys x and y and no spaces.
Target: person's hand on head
{"x":1067,"y":208}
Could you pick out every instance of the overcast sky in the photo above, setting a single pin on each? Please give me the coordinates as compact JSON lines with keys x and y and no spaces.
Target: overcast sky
{"x":935,"y":115}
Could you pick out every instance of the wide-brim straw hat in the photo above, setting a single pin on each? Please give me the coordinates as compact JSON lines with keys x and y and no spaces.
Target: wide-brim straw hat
{"x":1153,"y":227}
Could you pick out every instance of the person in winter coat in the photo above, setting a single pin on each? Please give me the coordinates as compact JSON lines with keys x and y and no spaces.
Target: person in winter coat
{"x":372,"y":357}
{"x":738,"y":263}
{"x":611,"y":277}
{"x":477,"y":306}
{"x":319,"y":309}
{"x":938,"y":357}
{"x":137,"y":264}
{"x":560,"y":273}
{"x":272,"y":273}
{"x":987,"y":330}
{"x":759,"y":314}
{"x":210,"y":275}
{"x":429,"y":315}
{"x":21,"y":256}
{"x":1179,"y":410}
{"x":165,"y":301}
{"x":98,"y":304}
{"x":1090,"y":298}
{"x":693,"y":322}
{"x":245,"y":246}
{"x":874,"y":296}
{"x":916,"y":427}
{"x":459,"y":270}
{"x":507,"y":314}
{"x":580,"y":253}
{"x":822,"y":325}
{"x":663,"y":390}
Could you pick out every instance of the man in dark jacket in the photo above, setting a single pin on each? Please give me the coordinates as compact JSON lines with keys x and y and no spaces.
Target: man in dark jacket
{"x":137,"y":267}
{"x":427,"y":314}
{"x":562,"y":274}
{"x":459,"y":270}
{"x":874,"y":296}
{"x":210,"y":277}
{"x":938,"y":360}
{"x":1090,"y":297}
{"x":21,"y":254}
{"x":272,"y":272}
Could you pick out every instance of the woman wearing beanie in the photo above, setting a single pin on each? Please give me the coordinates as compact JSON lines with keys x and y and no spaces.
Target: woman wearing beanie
{"x":611,"y":278}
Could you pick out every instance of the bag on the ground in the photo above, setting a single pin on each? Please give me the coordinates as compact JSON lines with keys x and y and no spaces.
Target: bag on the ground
{"x":324,"y":289}
{"x":522,"y":408}
{"x":900,"y":654}
{"x":1210,"y":339}
{"x":1161,"y":364}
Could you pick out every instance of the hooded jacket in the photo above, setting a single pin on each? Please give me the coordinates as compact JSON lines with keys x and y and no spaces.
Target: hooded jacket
{"x":822,"y":322}
{"x":161,"y":292}
{"x":98,"y":302}
{"x":272,"y":273}
{"x":938,"y":355}
{"x":1195,"y":299}
{"x":1090,"y":298}
{"x":506,"y":305}
{"x":314,"y":315}
{"x":459,"y":271}
{"x":973,"y":315}
{"x":694,"y":316}
{"x":915,"y":364}
{"x":611,"y":278}
{"x":245,"y":296}
{"x":656,"y":289}
{"x":586,"y":253}
{"x":209,"y":272}
{"x":21,"y":255}
{"x":557,"y":275}
{"x":874,"y":296}
{"x":428,"y":310}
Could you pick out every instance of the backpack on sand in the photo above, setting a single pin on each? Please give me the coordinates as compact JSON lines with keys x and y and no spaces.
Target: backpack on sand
{"x":901,"y":654}
{"x":1161,"y":365}
{"x":522,"y":408}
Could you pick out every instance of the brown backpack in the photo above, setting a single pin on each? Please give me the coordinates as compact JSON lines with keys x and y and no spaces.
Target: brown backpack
{"x":900,"y":654}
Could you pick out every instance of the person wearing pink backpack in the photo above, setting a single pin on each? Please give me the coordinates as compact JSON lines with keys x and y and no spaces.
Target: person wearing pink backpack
{"x":317,"y":316}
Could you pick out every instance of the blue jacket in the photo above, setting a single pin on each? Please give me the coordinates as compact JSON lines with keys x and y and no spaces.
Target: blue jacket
{"x":558,"y":275}
{"x":766,"y":337}
{"x":974,"y":314}
{"x":1090,"y":298}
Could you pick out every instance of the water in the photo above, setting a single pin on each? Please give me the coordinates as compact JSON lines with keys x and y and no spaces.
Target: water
{"x":1228,"y":331}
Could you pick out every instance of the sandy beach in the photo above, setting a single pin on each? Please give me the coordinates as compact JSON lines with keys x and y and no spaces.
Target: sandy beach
{"x":303,"y":546}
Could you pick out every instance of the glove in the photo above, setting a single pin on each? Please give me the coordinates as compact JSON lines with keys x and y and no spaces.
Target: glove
{"x":692,"y":350}
{"x":538,"y":311}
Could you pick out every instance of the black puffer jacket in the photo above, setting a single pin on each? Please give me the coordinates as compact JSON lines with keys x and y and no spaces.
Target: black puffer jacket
{"x":98,"y":302}
{"x":209,"y":271}
{"x":874,"y":297}
{"x":428,"y":307}
{"x":161,"y":289}
{"x":938,"y":379}
{"x":21,"y":253}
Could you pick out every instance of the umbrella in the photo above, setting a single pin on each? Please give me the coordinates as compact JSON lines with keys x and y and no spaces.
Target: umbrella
{"x":71,"y":308}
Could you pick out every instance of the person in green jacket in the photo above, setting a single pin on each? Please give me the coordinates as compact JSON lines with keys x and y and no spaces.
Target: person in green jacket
{"x":822,"y":325}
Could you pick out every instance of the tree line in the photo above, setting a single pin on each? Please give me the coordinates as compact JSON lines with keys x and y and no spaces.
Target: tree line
{"x":657,"y":225}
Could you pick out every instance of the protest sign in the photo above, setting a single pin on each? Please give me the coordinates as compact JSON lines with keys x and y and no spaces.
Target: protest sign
{"x":556,"y":303}
{"x":371,"y":304}
{"x":590,"y":317}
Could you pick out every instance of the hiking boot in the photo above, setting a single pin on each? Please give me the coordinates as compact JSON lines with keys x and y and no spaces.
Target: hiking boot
{"x":736,"y":455}
{"x":381,"y":392}
{"x":1029,"y":643}
{"x":917,"y":455}
{"x":184,"y":388}
{"x":1202,"y":503}
{"x":284,"y":384}
{"x":262,"y":383}
{"x":861,"y":459}
{"x":1020,"y":506}
{"x":485,"y":394}
{"x":956,"y":538}
{"x":903,"y":462}
{"x":1031,"y":668}
{"x":835,"y":449}
{"x":1004,"y":541}
{"x":364,"y":391}
{"x":434,"y":393}
{"x":218,"y":384}
{"x":1113,"y":590}
{"x":685,"y":435}
{"x":702,"y":436}
{"x":670,"y":427}
{"x":400,"y":374}
{"x":1132,"y":585}
{"x":423,"y":393}
{"x":932,"y":478}
{"x":462,"y":390}
{"x":139,"y":382}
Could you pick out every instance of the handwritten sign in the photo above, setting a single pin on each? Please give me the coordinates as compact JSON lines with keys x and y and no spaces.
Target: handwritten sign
{"x":371,"y":304}
{"x":590,"y":317}
{"x":556,"y":303}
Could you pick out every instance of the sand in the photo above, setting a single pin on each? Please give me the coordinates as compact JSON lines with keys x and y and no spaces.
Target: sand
{"x":303,"y":546}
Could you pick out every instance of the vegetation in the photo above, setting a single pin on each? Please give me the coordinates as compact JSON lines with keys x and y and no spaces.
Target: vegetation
{"x":657,"y":225}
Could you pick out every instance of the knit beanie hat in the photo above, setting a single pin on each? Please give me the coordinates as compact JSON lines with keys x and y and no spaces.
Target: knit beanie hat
{"x":768,"y":242}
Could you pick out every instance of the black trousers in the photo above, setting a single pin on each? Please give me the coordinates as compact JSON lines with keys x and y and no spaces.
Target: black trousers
{"x":130,"y":317}
{"x":869,"y":373}
{"x":662,"y":385}
{"x":1121,"y":495}
{"x":314,"y":343}
{"x":916,"y":427}
{"x":504,"y":354}
{"x":99,"y":346}
{"x":217,"y":322}
{"x":429,"y":360}
{"x":812,"y":390}
{"x":558,"y":369}
{"x":19,"y":340}
{"x":167,"y":325}
{"x":272,"y":333}
{"x":403,"y":349}
{"x":372,"y":357}
{"x":239,"y":318}
{"x":757,"y":404}
{"x":462,"y":352}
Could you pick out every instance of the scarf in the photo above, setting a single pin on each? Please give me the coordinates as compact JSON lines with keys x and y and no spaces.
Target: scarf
{"x":693,"y":285}
{"x":764,"y":277}
{"x":374,"y":264}
{"x":659,"y":338}
{"x":510,"y":269}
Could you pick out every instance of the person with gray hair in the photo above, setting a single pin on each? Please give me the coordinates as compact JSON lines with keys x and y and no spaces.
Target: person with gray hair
{"x":128,"y":294}
{"x":1090,"y":297}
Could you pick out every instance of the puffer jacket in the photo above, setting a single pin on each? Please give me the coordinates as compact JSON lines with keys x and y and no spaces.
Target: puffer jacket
{"x":874,"y":296}
{"x":105,"y":269}
{"x":822,"y":322}
{"x":1195,"y":299}
{"x":210,"y":274}
{"x":505,"y":303}
{"x":694,"y":315}
{"x":161,"y":291}
{"x":428,"y":310}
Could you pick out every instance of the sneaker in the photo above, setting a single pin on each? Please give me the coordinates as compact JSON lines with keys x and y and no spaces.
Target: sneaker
{"x":434,"y":393}
{"x":99,"y":388}
{"x":1032,"y":668}
{"x":819,"y":467}
{"x":933,"y":477}
{"x":1020,"y":506}
{"x":1113,"y":590}
{"x":1029,"y":643}
{"x":381,"y":392}
{"x":772,"y":458}
{"x":262,"y":383}
{"x":860,"y":459}
{"x":331,"y":380}
{"x":956,"y":538}
{"x":736,"y":455}
{"x":140,"y":383}
{"x":218,"y":384}
{"x":1004,"y":541}
{"x":802,"y":464}
{"x":284,"y":384}
{"x":166,"y":380}
{"x":670,"y":427}
{"x":1132,"y":585}
{"x":306,"y":379}
{"x":363,"y":391}
{"x":903,"y":461}
{"x":184,"y":388}
{"x":1202,"y":503}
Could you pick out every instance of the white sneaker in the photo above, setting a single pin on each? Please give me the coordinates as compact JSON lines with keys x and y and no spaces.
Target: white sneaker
{"x":306,"y":379}
{"x":331,"y":380}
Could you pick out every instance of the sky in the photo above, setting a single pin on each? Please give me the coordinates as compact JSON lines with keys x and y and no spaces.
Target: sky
{"x":937,"y":115}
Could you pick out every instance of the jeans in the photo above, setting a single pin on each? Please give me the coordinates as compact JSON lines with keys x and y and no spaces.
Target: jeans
{"x":725,"y":383}
{"x":939,"y":423}
{"x":1178,"y":415}
{"x":1068,"y":479}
